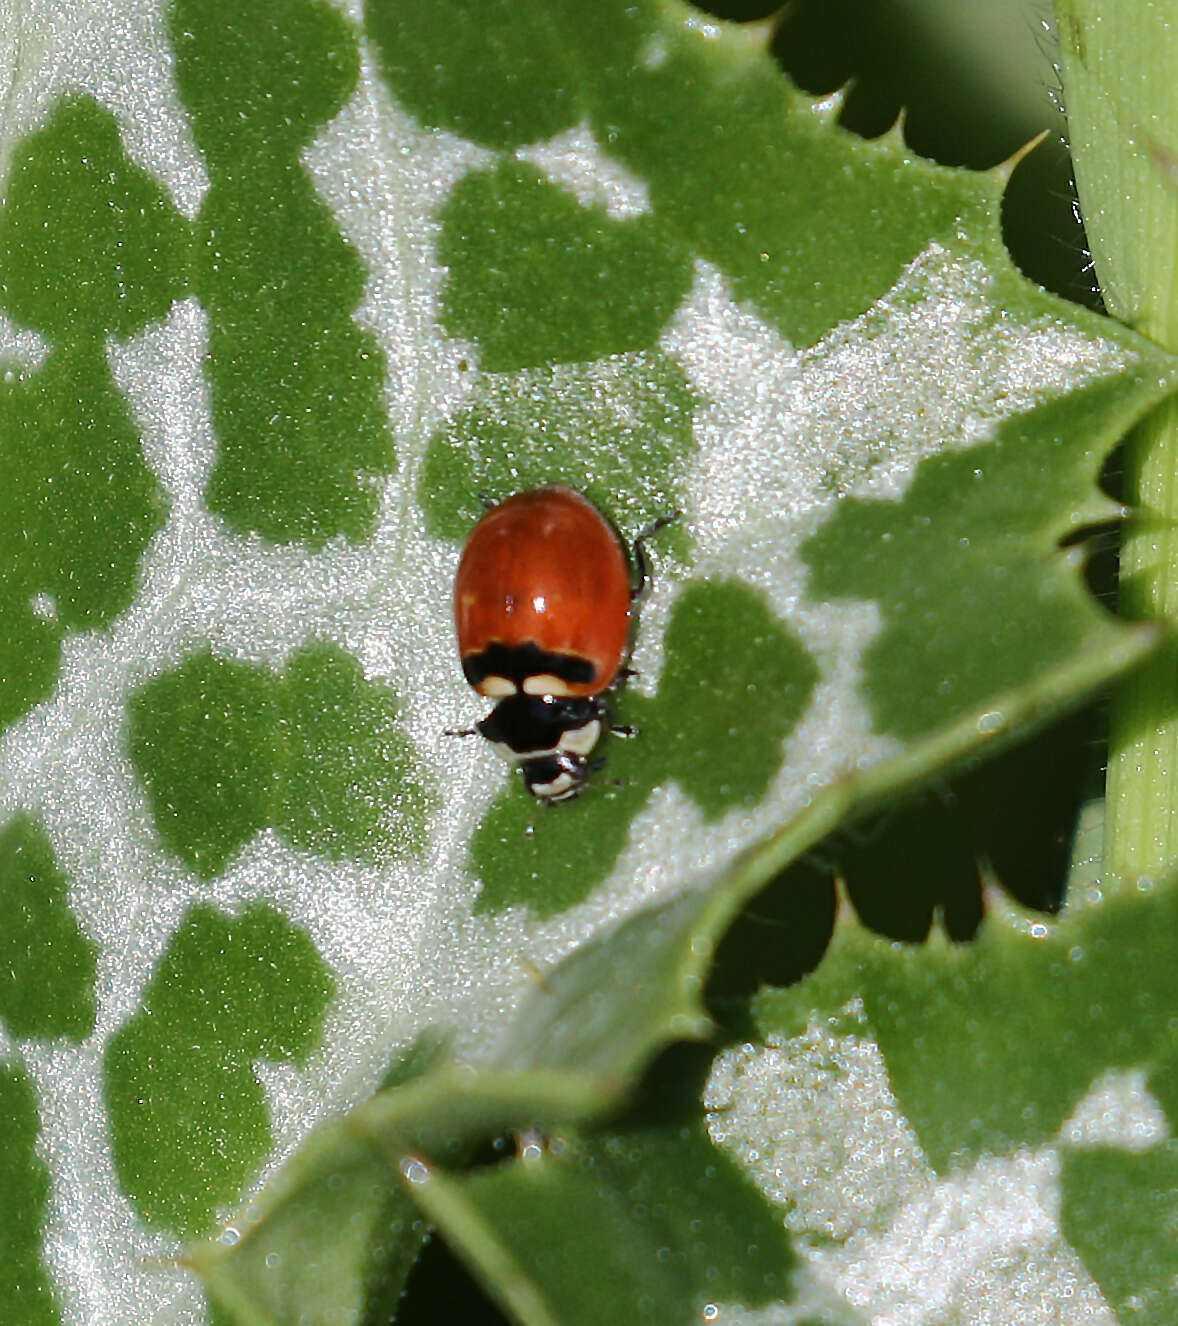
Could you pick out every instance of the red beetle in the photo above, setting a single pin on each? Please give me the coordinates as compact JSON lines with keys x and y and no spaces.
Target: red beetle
{"x":543,"y":604}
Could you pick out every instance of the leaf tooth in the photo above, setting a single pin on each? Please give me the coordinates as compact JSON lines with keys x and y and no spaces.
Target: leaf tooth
{"x":1005,"y":169}
{"x":1100,"y":509}
{"x":828,"y":109}
{"x":895,"y":137}
{"x":999,"y":908}
{"x":763,"y":31}
{"x":845,"y":916}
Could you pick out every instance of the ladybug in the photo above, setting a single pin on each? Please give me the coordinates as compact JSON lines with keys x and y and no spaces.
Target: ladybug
{"x":543,"y":605}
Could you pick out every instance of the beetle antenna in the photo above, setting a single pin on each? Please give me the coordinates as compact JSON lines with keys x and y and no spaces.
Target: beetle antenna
{"x":460,"y":732}
{"x":641,"y":565}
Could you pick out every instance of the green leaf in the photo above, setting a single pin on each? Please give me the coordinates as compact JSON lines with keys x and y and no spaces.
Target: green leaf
{"x":46,"y":962}
{"x":26,"y":1290}
{"x":652,"y":1219}
{"x":969,"y":532}
{"x":978,"y":1081}
{"x":295,"y":383}
{"x":499,"y":81}
{"x":90,"y":248}
{"x":189,"y":1121}
{"x":316,"y":753}
{"x":620,"y":431}
{"x":537,"y":278}
{"x":110,"y":262}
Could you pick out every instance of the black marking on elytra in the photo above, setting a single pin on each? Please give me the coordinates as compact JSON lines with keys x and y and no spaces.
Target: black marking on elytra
{"x":526,"y":723}
{"x":519,"y":662}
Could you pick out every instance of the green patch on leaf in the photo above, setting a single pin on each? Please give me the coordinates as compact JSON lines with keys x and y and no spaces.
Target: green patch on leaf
{"x":804,"y":222}
{"x":204,"y":740}
{"x":90,"y":245}
{"x":189,"y":1123}
{"x":735,"y":684}
{"x":967,"y":559}
{"x":618,"y":430}
{"x":26,"y":1293}
{"x":47,"y":964}
{"x":79,"y":508}
{"x":481,"y":73}
{"x":90,"y":248}
{"x":296,"y":385}
{"x":536,"y":278}
{"x":991,"y":1045}
{"x":226,"y":749}
{"x":729,"y":659}
{"x":1119,"y":1211}
{"x":350,"y":788}
{"x":655,"y":1219}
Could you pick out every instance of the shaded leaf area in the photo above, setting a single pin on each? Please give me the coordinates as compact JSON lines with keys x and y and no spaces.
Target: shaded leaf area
{"x":90,"y":247}
{"x":974,"y":603}
{"x":26,"y":1292}
{"x":188,"y":1116}
{"x":619,"y":431}
{"x":296,"y":385}
{"x":970,"y":94}
{"x":708,"y":692}
{"x":990,"y":1046}
{"x":47,"y":964}
{"x":441,"y":1288}
{"x":226,"y":749}
{"x":607,"y":1007}
{"x":1013,"y":816}
{"x":537,"y":278}
{"x":650,"y":1225}
{"x":335,"y":1234}
{"x":719,"y":141}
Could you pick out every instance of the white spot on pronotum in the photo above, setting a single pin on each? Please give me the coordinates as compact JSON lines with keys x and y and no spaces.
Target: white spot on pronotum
{"x":44,"y":606}
{"x":504,"y":751}
{"x":581,"y":740}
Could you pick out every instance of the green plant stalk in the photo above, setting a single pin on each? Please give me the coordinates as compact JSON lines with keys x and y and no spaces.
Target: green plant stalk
{"x":1118,"y":59}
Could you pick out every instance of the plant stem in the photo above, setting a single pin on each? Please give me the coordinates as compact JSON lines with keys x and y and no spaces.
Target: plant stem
{"x":1118,"y":59}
